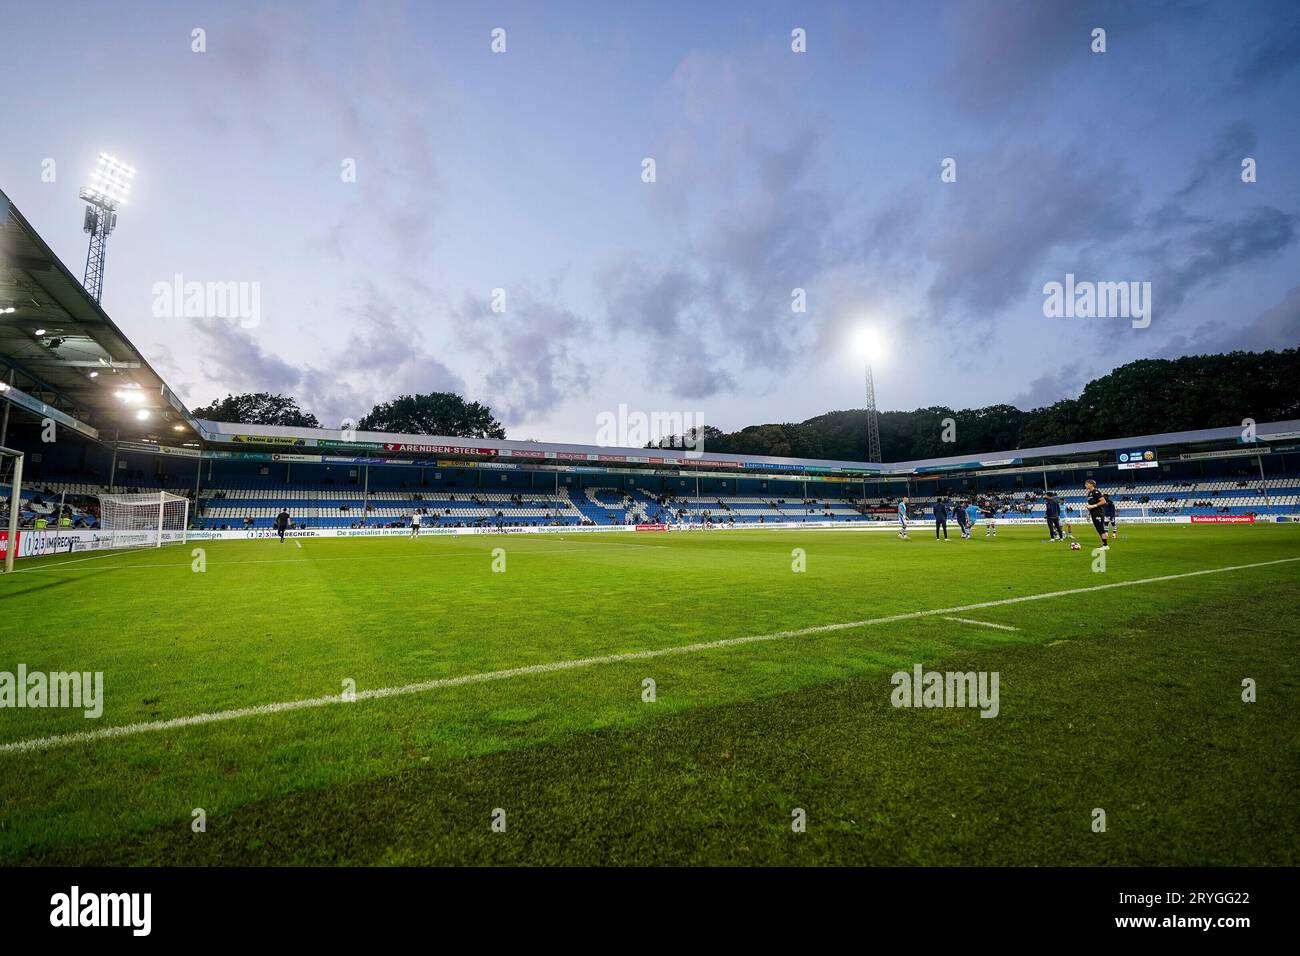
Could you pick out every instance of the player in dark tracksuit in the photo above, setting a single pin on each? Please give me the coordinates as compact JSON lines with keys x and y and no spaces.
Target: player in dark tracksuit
{"x":1096,"y":506}
{"x":959,"y":512}
{"x":1109,"y":511}
{"x":1054,"y":518}
{"x":940,"y":519}
{"x":282,"y":524}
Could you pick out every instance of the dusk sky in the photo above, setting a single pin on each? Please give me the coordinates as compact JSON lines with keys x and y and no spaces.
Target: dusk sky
{"x":775,"y":170}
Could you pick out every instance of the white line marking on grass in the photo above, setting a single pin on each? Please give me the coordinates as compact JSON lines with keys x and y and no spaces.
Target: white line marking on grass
{"x":299,"y":544}
{"x":96,"y":557}
{"x":966,"y":620}
{"x":127,"y":730}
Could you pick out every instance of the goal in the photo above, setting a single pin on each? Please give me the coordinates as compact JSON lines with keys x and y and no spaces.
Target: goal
{"x":143,"y":519}
{"x":11,"y":484}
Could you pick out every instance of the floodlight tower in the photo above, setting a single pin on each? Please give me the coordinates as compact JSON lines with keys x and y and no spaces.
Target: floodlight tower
{"x":870,"y":346}
{"x":109,"y":185}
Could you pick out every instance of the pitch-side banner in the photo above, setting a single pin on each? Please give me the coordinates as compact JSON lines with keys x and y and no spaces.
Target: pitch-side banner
{"x":33,"y":544}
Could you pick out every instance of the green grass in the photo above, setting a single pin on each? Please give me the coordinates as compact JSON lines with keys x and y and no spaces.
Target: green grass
{"x":1127,"y":699}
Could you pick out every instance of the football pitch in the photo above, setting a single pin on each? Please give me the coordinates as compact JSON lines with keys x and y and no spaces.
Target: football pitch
{"x":708,"y":698}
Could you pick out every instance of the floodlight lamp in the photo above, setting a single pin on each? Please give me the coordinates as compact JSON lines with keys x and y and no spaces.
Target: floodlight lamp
{"x":869,"y":344}
{"x":110,"y":183}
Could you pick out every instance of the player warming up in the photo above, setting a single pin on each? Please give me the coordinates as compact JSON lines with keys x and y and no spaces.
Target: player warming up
{"x":1096,"y":506}
{"x":282,"y":524}
{"x":1054,"y":518}
{"x":1110,"y":516}
{"x":990,"y":512}
{"x":940,"y":519}
{"x":415,"y":525}
{"x":902,"y":519}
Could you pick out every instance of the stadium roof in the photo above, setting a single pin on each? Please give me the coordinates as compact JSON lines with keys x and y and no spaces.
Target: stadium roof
{"x":448,"y":445}
{"x":1230,"y":435}
{"x":317,"y":441}
{"x":81,"y":360}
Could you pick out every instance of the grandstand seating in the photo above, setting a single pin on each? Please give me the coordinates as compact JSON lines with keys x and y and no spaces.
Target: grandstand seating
{"x":230,"y":503}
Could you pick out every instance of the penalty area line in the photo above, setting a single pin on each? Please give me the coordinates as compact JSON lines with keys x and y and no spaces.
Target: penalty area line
{"x":966,"y":620}
{"x":127,"y":730}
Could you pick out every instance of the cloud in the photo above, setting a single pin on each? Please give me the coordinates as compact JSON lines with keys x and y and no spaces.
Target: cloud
{"x":535,"y":352}
{"x":1207,"y":254}
{"x":276,"y":75}
{"x":381,"y":356}
{"x":1274,"y":55}
{"x":1007,"y":215}
{"x":668,"y":313}
{"x":1014,"y":51}
{"x":1065,"y":381}
{"x":742,"y":189}
{"x":1222,"y":162}
{"x":1277,"y":327}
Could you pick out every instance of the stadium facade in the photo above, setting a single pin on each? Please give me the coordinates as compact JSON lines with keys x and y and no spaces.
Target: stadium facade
{"x":92,"y":417}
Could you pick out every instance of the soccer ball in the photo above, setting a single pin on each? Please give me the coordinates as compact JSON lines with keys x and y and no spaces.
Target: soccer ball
{"x":1074,"y":546}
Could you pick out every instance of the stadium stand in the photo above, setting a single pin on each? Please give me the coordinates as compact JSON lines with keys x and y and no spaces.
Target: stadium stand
{"x":235,"y":504}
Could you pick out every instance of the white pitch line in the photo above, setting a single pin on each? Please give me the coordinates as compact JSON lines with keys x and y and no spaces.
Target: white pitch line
{"x":94,"y":557}
{"x":966,"y":620}
{"x":126,"y":730}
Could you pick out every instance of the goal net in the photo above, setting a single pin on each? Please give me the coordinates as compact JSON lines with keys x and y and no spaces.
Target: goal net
{"x":11,"y":483}
{"x":143,"y":520}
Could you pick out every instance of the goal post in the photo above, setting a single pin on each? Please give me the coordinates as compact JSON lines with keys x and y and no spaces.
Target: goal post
{"x":11,"y":474}
{"x":147,"y":519}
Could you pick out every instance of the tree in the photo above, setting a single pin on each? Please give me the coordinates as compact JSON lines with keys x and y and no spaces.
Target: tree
{"x":437,"y":413}
{"x":258,"y":408}
{"x":1145,"y":397}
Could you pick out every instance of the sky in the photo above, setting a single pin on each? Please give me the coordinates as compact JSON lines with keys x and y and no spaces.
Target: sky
{"x":499,"y":237}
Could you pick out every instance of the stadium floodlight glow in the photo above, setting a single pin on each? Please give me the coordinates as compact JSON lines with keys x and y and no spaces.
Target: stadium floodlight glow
{"x":869,"y":344}
{"x":872,"y":348}
{"x":142,"y":414}
{"x":110,"y":184}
